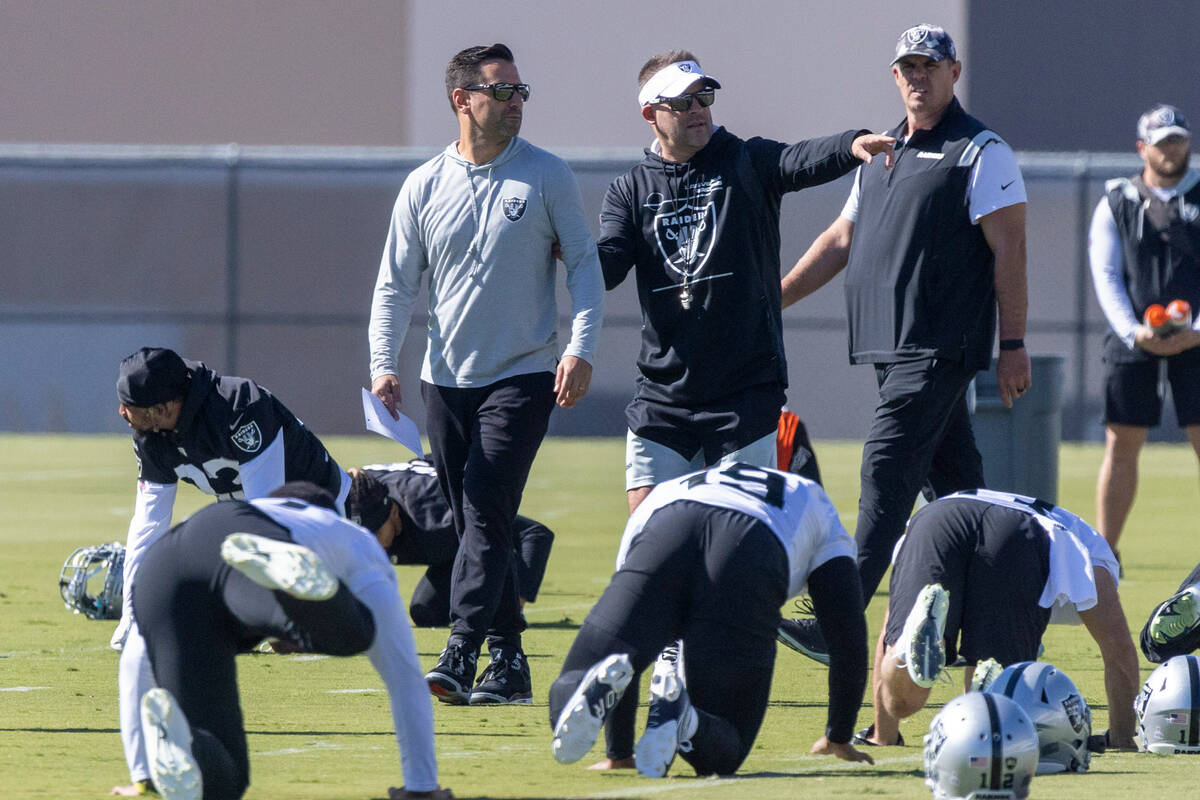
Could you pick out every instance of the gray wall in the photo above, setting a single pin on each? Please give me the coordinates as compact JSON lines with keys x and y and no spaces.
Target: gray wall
{"x":1076,"y":76}
{"x":261,"y":263}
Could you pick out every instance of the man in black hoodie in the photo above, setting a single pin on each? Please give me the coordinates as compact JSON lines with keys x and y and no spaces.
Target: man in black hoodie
{"x":698,"y":220}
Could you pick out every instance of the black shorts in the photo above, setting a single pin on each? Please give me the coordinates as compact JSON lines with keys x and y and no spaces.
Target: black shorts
{"x":1132,"y":396}
{"x":717,"y":429}
{"x":994,"y":562}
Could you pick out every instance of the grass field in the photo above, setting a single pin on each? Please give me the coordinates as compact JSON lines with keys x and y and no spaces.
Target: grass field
{"x":320,"y":727}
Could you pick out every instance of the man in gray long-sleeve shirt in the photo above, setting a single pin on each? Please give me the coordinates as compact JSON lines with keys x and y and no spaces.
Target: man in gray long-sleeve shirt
{"x":481,"y":219}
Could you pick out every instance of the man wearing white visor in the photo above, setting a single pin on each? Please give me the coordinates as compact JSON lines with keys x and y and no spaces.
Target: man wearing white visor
{"x":697,"y":220}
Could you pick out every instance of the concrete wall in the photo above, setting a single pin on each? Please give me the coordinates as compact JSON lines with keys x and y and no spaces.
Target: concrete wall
{"x":261,"y":263}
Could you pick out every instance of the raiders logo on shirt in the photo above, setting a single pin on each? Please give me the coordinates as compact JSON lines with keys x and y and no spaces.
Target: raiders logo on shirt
{"x":248,"y":437}
{"x":514,"y":208}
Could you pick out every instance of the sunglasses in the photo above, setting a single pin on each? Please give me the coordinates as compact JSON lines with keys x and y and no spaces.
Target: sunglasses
{"x":501,"y":91}
{"x":684,"y":101}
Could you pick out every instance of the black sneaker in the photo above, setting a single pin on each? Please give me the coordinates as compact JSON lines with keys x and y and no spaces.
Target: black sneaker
{"x":450,"y":680}
{"x":804,"y":636}
{"x":506,"y":679}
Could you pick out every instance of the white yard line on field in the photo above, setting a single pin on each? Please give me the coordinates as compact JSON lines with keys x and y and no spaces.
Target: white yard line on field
{"x":22,"y":688}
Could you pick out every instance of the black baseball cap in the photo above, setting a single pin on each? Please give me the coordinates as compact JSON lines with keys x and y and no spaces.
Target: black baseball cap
{"x":150,"y":376}
{"x":927,"y":40}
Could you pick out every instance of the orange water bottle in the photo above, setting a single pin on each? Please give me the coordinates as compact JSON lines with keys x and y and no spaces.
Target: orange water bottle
{"x":1157,"y":320}
{"x":1179,"y":314}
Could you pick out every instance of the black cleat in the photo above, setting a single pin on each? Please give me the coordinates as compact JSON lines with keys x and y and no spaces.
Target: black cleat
{"x":804,"y":636}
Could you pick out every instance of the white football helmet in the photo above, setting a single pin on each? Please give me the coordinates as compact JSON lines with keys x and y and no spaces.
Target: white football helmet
{"x":1060,"y":715}
{"x":1168,"y":707}
{"x":84,"y":590}
{"x":980,"y":746}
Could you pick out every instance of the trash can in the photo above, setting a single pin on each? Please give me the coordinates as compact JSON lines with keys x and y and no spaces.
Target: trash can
{"x":1019,"y":445}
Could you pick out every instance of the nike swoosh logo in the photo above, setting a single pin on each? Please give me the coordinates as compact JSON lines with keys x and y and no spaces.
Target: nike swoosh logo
{"x":237,"y":422}
{"x":1010,"y":183}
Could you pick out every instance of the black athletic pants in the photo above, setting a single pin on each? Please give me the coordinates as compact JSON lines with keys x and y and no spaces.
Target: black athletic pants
{"x":921,"y":435}
{"x":1159,"y":653}
{"x":429,"y":605}
{"x":484,"y":441}
{"x":196,"y":613}
{"x":716,"y":579}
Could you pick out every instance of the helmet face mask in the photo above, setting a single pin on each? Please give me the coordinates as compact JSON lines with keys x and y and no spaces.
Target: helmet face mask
{"x":1168,"y":707}
{"x":1060,"y":715}
{"x":91,"y":581}
{"x":980,"y":747}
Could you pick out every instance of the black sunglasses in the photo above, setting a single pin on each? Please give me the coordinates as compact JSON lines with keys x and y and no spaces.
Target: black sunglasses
{"x":684,"y":101}
{"x":501,"y":91}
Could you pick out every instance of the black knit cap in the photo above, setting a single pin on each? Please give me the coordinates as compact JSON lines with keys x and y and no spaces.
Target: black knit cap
{"x":151,"y":376}
{"x":368,"y":503}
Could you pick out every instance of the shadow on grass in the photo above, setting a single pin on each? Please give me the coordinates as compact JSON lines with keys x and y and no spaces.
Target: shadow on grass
{"x":825,"y":772}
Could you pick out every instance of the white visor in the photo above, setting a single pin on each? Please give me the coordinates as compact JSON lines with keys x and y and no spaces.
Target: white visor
{"x":672,"y":81}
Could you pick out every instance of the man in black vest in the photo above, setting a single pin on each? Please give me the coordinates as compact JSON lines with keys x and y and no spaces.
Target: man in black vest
{"x":932,"y":248}
{"x":1144,"y":248}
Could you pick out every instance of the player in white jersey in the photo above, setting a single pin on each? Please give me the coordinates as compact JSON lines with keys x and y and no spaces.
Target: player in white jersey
{"x":708,"y":559}
{"x":981,"y":574}
{"x":232,"y":574}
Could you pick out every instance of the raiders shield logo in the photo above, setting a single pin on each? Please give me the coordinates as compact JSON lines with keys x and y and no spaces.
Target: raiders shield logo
{"x":1073,"y":705}
{"x":685,"y":227}
{"x":248,"y":437}
{"x":514,"y":208}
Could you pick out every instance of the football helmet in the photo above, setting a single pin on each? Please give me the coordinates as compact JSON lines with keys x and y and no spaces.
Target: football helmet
{"x":1168,"y":707}
{"x":980,"y":746}
{"x":84,"y":590}
{"x":1060,"y":715}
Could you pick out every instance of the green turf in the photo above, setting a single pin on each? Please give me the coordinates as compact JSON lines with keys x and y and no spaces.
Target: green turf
{"x":313,"y":735}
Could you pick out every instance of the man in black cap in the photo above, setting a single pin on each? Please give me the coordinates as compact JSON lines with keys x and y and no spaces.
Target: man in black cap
{"x":403,"y":505}
{"x":1144,"y":249}
{"x":934,"y":253}
{"x":227,"y":436}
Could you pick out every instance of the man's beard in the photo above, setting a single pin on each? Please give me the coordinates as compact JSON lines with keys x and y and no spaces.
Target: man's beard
{"x":1178,"y":172}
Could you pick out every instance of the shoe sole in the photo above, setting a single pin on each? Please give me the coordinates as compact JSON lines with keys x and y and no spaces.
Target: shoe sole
{"x":784,"y":638}
{"x":1183,"y":607}
{"x":173,"y":768}
{"x":446,"y":689}
{"x":926,"y":655}
{"x":655,"y":751}
{"x":579,"y":723}
{"x":281,"y":566}
{"x":492,"y":699}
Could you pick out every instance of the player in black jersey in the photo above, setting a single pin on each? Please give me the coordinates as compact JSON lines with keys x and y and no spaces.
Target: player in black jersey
{"x":404,"y":506}
{"x":227,"y":436}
